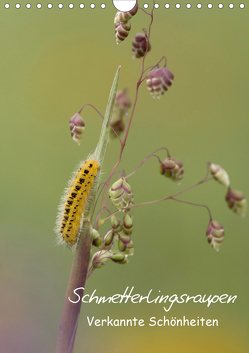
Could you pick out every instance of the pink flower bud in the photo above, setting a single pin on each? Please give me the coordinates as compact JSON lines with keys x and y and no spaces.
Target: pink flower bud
{"x":139,"y":45}
{"x":122,"y":30}
{"x":77,"y":127}
{"x":172,"y":168}
{"x":158,"y":81}
{"x":219,"y":174}
{"x":122,"y":103}
{"x":122,"y":99}
{"x":118,"y":126}
{"x":215,"y":234}
{"x":236,"y":201}
{"x":125,"y":16}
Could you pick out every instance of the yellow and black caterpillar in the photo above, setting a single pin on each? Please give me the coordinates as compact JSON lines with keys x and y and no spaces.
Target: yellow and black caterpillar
{"x":74,"y":202}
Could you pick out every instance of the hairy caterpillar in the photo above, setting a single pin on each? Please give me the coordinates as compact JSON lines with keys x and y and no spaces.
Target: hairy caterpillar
{"x":74,"y":202}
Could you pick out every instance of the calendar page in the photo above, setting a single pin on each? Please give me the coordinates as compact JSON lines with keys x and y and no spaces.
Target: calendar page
{"x":124,"y":176}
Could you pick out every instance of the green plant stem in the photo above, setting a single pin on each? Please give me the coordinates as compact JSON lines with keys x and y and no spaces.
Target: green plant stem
{"x":71,"y":311}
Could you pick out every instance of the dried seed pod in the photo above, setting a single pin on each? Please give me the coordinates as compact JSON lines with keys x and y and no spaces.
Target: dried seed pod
{"x":172,"y":168}
{"x":219,"y":174}
{"x":125,"y":16}
{"x":139,"y":45}
{"x":158,"y":81}
{"x":215,"y":234}
{"x":122,"y":30}
{"x":77,"y":127}
{"x":236,"y":201}
{"x":120,"y":194}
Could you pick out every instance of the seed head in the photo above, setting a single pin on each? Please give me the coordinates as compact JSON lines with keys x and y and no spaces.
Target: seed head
{"x":139,"y":45}
{"x":118,"y":125}
{"x":122,"y":246}
{"x":108,"y":239}
{"x":122,"y":100}
{"x":127,"y":224}
{"x":219,"y":174}
{"x":119,"y":258}
{"x":97,"y":240}
{"x":116,"y":224}
{"x":125,"y":238}
{"x":215,"y":234}
{"x":172,"y":168}
{"x":122,"y":30}
{"x":125,"y":16}
{"x":123,"y":241}
{"x":100,"y":258}
{"x":122,"y":103}
{"x":130,"y":249}
{"x":158,"y":81}
{"x":120,"y":194}
{"x":236,"y":201}
{"x":77,"y":127}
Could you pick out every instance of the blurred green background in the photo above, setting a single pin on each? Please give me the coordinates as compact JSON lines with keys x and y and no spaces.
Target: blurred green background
{"x":53,"y":61}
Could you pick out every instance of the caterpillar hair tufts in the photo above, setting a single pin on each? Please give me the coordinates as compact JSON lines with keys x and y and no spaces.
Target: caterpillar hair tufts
{"x":74,"y":202}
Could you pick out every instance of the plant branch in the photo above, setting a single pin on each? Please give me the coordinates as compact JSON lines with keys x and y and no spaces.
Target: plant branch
{"x":71,"y":311}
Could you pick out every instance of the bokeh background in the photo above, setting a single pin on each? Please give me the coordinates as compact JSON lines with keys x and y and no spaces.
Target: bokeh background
{"x":53,"y":61}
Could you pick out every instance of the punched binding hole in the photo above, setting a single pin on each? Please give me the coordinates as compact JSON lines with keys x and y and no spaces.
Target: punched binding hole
{"x":145,"y":5}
